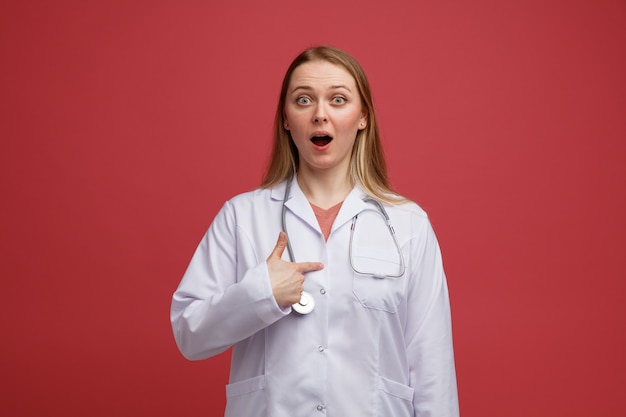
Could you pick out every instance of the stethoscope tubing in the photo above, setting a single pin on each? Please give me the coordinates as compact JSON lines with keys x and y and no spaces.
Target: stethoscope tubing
{"x":307,"y":302}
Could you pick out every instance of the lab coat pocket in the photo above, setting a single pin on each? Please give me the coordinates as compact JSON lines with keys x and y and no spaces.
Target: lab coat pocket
{"x":246,"y":398}
{"x":370,"y":289}
{"x":394,"y":398}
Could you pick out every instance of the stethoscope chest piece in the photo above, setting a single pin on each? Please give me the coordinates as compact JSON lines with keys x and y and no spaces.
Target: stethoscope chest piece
{"x":306,"y":304}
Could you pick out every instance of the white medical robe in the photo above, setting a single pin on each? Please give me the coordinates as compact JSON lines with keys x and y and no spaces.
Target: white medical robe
{"x":379,"y":347}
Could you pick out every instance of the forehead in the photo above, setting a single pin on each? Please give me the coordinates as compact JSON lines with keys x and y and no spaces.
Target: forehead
{"x":321,"y":74}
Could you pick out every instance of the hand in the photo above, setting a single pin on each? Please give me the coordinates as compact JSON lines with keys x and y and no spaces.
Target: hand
{"x":286,"y":278}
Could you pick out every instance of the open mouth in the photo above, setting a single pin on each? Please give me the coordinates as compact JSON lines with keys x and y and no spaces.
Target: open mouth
{"x":321,"y":140}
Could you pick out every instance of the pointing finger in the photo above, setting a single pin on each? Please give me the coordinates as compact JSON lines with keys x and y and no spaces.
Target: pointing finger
{"x":309,"y":266}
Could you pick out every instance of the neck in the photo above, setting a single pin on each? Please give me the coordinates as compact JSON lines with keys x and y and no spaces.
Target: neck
{"x":324,"y":191}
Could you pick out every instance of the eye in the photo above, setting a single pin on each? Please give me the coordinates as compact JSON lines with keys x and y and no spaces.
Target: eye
{"x":303,"y":100}
{"x":339,"y":100}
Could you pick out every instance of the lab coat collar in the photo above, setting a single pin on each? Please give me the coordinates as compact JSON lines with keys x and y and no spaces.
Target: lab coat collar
{"x":352,"y":205}
{"x":298,"y":204}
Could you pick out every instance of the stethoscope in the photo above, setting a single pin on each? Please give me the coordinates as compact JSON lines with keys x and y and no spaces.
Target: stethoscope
{"x":307,"y":302}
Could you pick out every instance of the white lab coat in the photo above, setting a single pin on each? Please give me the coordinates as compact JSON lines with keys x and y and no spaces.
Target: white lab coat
{"x":379,"y":347}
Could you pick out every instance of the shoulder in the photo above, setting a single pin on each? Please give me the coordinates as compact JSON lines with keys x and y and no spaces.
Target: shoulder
{"x":245,"y":209}
{"x":409,"y":220}
{"x":256,"y":200}
{"x":407,"y":208}
{"x":249,"y":196}
{"x":401,"y":211}
{"x":396,"y":203}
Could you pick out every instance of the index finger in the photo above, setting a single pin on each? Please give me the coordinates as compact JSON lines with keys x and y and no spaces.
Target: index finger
{"x":309,"y":266}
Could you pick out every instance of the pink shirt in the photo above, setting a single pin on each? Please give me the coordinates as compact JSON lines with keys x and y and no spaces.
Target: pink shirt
{"x":326,"y":217}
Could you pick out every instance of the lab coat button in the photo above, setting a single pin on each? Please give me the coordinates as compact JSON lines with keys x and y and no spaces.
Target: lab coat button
{"x":320,"y":348}
{"x":322,"y":291}
{"x":320,"y":408}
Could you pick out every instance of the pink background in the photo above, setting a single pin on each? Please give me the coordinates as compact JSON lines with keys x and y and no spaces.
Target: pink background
{"x":125,"y":125}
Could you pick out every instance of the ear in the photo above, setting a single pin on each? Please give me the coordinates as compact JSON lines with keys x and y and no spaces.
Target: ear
{"x":363,"y":121}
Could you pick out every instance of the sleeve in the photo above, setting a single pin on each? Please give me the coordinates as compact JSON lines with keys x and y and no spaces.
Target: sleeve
{"x":429,"y":330}
{"x":212,"y":309}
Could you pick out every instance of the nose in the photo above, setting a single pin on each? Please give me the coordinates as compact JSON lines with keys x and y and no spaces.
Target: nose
{"x":320,"y":115}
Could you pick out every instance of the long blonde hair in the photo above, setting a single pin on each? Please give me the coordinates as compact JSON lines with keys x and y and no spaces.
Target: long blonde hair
{"x":367,"y":162}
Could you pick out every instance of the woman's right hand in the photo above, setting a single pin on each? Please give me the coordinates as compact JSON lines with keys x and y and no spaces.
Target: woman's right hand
{"x":287,"y":278}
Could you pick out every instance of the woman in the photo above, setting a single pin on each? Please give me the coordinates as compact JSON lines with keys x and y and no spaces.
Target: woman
{"x":351,"y":320}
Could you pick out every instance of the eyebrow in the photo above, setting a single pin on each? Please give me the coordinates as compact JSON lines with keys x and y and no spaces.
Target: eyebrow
{"x":332,"y":87}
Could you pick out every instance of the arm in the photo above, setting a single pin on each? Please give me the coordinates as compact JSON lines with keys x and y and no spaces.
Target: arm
{"x":212,"y":309}
{"x":429,"y":331}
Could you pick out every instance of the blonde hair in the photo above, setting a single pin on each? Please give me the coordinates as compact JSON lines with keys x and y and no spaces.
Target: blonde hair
{"x":367,"y":162}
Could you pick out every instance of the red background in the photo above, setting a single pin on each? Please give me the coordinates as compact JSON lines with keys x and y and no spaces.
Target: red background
{"x":126,"y":124}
